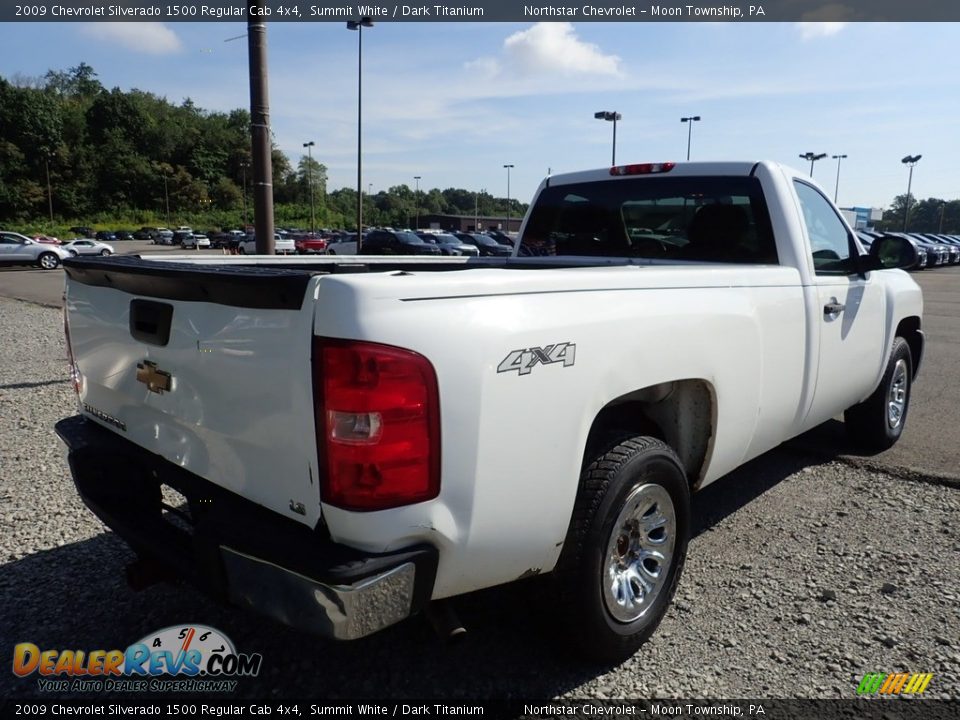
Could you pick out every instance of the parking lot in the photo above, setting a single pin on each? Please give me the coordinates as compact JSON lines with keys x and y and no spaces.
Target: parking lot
{"x":809,"y":567}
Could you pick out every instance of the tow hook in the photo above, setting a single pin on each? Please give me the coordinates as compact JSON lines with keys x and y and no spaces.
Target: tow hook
{"x":443,"y":618}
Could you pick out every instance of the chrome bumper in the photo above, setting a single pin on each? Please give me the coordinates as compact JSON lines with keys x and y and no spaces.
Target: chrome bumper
{"x":343,"y":612}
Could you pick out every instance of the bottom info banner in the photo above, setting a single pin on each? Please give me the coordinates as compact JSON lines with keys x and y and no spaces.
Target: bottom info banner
{"x":861,"y":709}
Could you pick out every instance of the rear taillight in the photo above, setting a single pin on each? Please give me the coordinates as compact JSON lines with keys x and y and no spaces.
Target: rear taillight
{"x":75,"y":376}
{"x":377,"y":414}
{"x":642,"y":169}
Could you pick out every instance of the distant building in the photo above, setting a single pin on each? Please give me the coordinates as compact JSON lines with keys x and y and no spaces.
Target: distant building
{"x":469,"y":223}
{"x":862,"y":218}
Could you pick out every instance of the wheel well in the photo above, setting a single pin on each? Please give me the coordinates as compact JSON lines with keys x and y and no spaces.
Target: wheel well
{"x":909,"y":330}
{"x":680,"y":413}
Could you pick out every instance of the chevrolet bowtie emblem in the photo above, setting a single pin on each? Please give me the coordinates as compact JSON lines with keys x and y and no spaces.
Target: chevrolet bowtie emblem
{"x":156,"y":380}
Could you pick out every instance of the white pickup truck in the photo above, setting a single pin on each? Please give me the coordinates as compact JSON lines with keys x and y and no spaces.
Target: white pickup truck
{"x":342,"y":442}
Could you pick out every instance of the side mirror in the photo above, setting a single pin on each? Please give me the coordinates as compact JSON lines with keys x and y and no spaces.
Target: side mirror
{"x":28,"y":242}
{"x":891,"y":251}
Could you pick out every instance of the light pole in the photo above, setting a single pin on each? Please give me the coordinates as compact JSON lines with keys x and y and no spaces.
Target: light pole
{"x":690,"y":121}
{"x":417,"y":201}
{"x":610,"y":116}
{"x":243,"y":169}
{"x":813,"y":157}
{"x":476,"y":210}
{"x":309,"y":145}
{"x":909,"y":161}
{"x":359,"y":25}
{"x":507,"y":229}
{"x":836,"y":189}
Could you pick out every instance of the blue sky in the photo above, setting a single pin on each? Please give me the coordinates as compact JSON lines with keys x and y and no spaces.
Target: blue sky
{"x":454,"y":102}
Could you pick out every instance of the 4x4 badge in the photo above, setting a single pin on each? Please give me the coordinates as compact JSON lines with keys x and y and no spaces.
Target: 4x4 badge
{"x":156,"y":380}
{"x":523,"y":361}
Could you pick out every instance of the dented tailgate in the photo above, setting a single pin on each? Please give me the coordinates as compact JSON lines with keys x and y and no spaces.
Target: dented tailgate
{"x":207,"y":367}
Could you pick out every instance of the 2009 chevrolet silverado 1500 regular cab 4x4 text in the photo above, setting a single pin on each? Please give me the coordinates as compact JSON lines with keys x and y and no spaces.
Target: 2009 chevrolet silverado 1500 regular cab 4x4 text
{"x":351,"y":439}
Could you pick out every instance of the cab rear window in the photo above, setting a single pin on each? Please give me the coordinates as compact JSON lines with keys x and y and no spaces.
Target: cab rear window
{"x":709,"y":219}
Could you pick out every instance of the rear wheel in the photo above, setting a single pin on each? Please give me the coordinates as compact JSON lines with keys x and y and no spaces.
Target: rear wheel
{"x":877,"y":423}
{"x":48,"y":261}
{"x":625,"y":547}
{"x":104,"y":252}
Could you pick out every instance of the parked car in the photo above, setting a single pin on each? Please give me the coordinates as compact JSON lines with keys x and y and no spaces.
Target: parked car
{"x":88,"y":247}
{"x":220,"y":240}
{"x":17,"y":249}
{"x":310,"y":244}
{"x":940,"y":250}
{"x":124,"y":235}
{"x":396,"y":242}
{"x":449,"y":244}
{"x":487,"y":246}
{"x":281,"y":245}
{"x":954,"y":245}
{"x":343,"y":244}
{"x":500,"y":237}
{"x":105,"y":236}
{"x":145,"y":233}
{"x":83,"y":231}
{"x":195,"y":241}
{"x":46,"y":239}
{"x":163,"y":236}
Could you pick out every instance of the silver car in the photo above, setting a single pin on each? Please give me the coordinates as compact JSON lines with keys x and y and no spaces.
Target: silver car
{"x":87,"y":246}
{"x":17,"y":249}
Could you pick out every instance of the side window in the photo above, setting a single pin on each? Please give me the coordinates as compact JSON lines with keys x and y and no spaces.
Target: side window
{"x":829,"y":241}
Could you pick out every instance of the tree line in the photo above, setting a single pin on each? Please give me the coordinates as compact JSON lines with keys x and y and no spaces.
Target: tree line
{"x":112,"y":156}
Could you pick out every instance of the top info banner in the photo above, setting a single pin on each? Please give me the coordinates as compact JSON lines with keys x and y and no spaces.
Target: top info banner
{"x":479,"y":11}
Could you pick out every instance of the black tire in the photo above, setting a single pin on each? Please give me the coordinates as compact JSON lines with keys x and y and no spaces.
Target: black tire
{"x":877,"y":423}
{"x":104,"y":252}
{"x":626,"y":471}
{"x":241,"y":251}
{"x":48,"y":261}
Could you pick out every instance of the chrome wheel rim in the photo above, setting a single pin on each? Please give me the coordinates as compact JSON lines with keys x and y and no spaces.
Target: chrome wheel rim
{"x":48,"y":262}
{"x":639,"y":553}
{"x":897,"y":395}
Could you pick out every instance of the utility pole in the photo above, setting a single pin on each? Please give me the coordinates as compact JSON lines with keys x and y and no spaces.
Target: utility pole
{"x":309,"y":145}
{"x":260,"y":129}
{"x":909,"y":161}
{"x":836,"y":189}
{"x":508,"y":168}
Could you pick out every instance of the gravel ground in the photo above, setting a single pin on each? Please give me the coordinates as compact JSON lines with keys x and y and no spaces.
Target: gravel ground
{"x":803,"y":575}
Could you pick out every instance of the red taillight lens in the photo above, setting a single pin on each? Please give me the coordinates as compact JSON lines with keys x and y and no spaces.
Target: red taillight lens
{"x":642,"y":169}
{"x":377,"y":413}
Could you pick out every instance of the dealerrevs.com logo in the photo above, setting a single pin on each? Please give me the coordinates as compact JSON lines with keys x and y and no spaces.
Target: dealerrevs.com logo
{"x":180,"y":658}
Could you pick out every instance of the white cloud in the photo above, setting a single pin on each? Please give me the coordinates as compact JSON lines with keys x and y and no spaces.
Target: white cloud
{"x":548,"y":48}
{"x":811,"y":30}
{"x":152,"y":38}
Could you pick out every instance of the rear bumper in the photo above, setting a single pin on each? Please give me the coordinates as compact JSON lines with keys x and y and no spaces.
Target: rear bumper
{"x":239,"y":552}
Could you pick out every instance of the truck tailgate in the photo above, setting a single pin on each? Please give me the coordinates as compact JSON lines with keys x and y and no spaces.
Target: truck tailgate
{"x":206,"y":367}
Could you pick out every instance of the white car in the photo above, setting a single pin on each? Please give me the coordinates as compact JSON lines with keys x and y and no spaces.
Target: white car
{"x":87,"y":246}
{"x":195,"y":241}
{"x":17,"y":249}
{"x":281,"y":245}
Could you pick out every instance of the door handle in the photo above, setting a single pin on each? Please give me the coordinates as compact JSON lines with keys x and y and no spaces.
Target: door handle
{"x":833,"y":308}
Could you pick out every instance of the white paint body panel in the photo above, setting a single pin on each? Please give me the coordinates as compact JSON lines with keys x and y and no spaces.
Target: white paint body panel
{"x":511,"y":445}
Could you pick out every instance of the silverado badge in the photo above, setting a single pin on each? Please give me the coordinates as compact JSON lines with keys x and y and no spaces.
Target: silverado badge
{"x":155,"y":379}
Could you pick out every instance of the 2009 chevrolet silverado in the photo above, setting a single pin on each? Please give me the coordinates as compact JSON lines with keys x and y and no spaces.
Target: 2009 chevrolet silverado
{"x":353,"y":438}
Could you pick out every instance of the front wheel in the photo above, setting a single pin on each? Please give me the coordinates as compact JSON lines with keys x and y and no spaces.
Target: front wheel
{"x":625,"y":547}
{"x":48,"y":261}
{"x":877,"y":423}
{"x":104,"y":252}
